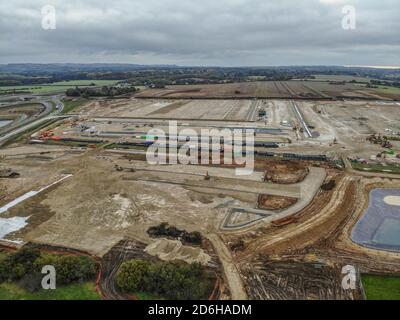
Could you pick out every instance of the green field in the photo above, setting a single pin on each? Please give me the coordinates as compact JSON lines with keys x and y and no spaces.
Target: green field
{"x":85,"y":83}
{"x":71,"y":105}
{"x":81,"y":291}
{"x":381,"y":287}
{"x":57,"y":86}
{"x":390,"y":90}
{"x":376,"y":168}
{"x":323,"y":77}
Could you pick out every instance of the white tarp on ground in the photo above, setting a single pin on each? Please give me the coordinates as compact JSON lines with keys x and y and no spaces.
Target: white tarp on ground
{"x":17,"y":201}
{"x":10,"y":225}
{"x":28,"y":195}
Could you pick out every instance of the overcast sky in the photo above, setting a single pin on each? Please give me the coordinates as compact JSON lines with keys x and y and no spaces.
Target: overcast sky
{"x":202,"y":32}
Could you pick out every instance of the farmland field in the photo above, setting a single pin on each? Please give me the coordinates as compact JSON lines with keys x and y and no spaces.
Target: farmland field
{"x":57,"y":86}
{"x":325,"y":77}
{"x":390,"y":90}
{"x":270,"y":89}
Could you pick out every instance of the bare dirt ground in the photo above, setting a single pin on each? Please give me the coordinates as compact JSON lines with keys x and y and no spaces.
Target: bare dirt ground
{"x":294,"y":280}
{"x":303,"y":260}
{"x":266,"y":89}
{"x":92,"y":203}
{"x":112,"y":197}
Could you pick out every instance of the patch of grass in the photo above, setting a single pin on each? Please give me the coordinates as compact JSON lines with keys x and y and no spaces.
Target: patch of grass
{"x":71,"y":105}
{"x":324,"y":77}
{"x":56,"y":86}
{"x":35,"y":89}
{"x":381,"y":287}
{"x":80,"y":291}
{"x":86,"y":83}
{"x":390,"y":90}
{"x":146,"y":296}
{"x":376,"y":168}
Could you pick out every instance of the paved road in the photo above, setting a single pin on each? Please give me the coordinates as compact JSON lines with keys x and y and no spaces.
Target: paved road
{"x":29,"y":123}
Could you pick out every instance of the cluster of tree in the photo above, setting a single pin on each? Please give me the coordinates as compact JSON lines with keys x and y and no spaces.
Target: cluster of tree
{"x":105,"y":91}
{"x":175,"y":281}
{"x":385,"y":83}
{"x":164,"y":230}
{"x":15,"y":80}
{"x":25,"y":266}
{"x":159,"y":75}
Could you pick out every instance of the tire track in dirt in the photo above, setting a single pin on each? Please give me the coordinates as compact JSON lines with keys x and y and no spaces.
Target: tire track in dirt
{"x":231,"y":272}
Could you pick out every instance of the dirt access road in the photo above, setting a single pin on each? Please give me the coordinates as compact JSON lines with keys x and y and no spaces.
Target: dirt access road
{"x":232,"y":274}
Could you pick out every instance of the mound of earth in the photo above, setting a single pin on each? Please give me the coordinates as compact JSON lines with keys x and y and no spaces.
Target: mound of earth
{"x":285,"y":172}
{"x":269,"y":202}
{"x":169,"y":250}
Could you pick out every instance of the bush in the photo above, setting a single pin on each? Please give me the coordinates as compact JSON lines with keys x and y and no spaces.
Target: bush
{"x":18,"y":264}
{"x":31,"y":282}
{"x":69,"y":268}
{"x":134,"y":275}
{"x":25,"y":266}
{"x":105,"y":91}
{"x":177,"y":281}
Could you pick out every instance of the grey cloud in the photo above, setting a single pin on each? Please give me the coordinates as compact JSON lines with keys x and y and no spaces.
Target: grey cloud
{"x":191,"y":32}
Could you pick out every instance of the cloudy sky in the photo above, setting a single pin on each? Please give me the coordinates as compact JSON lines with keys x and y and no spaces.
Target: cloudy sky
{"x":206,"y":32}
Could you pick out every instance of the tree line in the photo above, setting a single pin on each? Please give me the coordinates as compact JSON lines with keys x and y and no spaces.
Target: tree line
{"x":105,"y":91}
{"x":169,"y":280}
{"x":24,"y":267}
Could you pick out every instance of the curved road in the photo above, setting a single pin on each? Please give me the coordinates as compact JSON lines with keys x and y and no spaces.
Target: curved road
{"x":30,"y":123}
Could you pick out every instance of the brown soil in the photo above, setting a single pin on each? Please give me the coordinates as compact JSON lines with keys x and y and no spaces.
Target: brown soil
{"x":303,"y":259}
{"x":296,"y":280}
{"x":269,"y":202}
{"x":285,"y":172}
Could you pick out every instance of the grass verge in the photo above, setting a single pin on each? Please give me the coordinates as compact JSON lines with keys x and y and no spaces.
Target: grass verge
{"x":376,"y":168}
{"x":381,"y":287}
{"x":71,"y":105}
{"x":79,"y":291}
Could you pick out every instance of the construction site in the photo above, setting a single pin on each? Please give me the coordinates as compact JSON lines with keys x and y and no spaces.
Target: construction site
{"x":80,"y":180}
